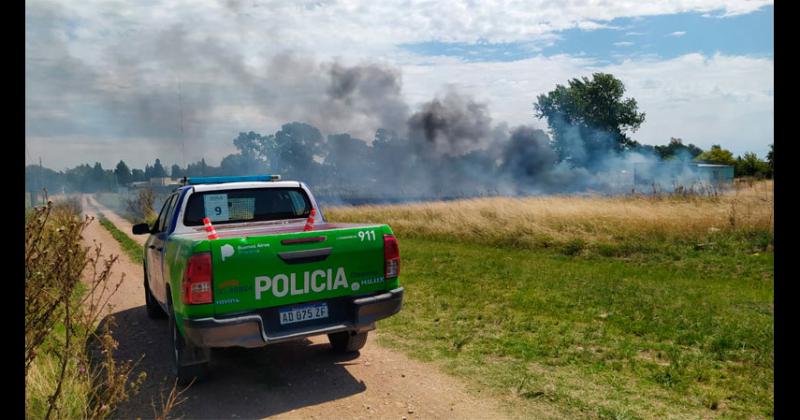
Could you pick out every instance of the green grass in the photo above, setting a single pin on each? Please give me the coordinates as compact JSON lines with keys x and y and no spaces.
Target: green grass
{"x":132,"y":248}
{"x":42,"y":380}
{"x":687,"y":335}
{"x":45,"y":370}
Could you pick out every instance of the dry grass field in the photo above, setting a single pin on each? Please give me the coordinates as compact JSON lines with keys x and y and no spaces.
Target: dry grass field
{"x":610,"y":225}
{"x":622,"y":307}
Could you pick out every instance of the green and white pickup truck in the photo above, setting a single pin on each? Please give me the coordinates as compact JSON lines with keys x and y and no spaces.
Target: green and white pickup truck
{"x":266,"y":278}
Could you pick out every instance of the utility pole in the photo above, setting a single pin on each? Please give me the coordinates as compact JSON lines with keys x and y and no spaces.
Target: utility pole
{"x":41,"y":183}
{"x":180,"y":107}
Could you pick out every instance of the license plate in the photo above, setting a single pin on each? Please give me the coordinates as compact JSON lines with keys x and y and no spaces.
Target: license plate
{"x":304,"y":313}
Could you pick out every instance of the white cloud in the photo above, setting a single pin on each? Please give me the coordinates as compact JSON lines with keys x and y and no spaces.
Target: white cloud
{"x":366,"y":27}
{"x":704,"y":100}
{"x":677,"y":33}
{"x":81,"y":50}
{"x":624,"y":44}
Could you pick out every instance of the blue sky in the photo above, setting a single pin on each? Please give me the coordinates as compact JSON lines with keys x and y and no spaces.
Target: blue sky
{"x":110,"y":80}
{"x":663,"y":36}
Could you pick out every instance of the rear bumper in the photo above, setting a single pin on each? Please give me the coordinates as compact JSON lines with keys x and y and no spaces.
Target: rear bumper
{"x":261,"y":328}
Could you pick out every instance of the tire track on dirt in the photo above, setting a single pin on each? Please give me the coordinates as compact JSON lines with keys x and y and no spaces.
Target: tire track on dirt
{"x":301,"y":379}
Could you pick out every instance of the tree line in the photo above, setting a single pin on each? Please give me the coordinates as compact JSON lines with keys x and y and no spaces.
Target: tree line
{"x":587,"y":119}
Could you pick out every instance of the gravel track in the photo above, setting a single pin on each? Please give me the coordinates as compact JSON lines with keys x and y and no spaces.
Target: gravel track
{"x":301,"y":379}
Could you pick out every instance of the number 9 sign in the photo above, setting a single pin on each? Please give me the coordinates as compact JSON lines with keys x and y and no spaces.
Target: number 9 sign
{"x":216,"y":206}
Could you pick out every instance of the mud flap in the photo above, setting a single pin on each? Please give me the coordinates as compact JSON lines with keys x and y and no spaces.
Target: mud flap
{"x":193,"y":355}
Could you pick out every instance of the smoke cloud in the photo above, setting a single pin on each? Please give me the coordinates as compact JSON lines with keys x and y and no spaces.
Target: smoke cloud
{"x":191,"y":87}
{"x":451,"y":126}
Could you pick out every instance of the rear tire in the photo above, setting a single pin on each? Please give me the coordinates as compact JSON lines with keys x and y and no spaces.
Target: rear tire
{"x":182,"y":350}
{"x":154,"y":310}
{"x":347,"y":341}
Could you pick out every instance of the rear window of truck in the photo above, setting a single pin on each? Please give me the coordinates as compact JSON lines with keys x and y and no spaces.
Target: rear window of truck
{"x":246,"y":205}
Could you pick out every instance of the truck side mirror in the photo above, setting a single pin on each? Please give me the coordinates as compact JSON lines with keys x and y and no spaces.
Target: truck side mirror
{"x":141,"y":228}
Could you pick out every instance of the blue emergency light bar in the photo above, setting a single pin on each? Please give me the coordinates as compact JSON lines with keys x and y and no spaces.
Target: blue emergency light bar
{"x":222,"y":179}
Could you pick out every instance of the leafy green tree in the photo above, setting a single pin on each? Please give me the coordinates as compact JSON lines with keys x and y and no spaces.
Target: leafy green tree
{"x":238,"y":164}
{"x":38,"y":178}
{"x":198,"y":169}
{"x":252,"y":146}
{"x":589,"y":117}
{"x":717,"y":155}
{"x":252,"y":157}
{"x":175,"y":171}
{"x":393,"y":157}
{"x":750,"y":165}
{"x":347,"y":159}
{"x":296,"y":150}
{"x":88,"y":178}
{"x":676,"y":149}
{"x":97,"y":173}
{"x":158,"y":170}
{"x":122,"y":173}
{"x":137,"y":175}
{"x":770,"y":157}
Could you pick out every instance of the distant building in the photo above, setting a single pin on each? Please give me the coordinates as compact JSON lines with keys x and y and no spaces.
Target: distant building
{"x":681,"y":173}
{"x":155,"y":183}
{"x":162,"y":182}
{"x":715,"y":173}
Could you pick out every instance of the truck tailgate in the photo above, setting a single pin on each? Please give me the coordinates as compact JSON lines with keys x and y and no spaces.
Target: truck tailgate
{"x":258,"y":269}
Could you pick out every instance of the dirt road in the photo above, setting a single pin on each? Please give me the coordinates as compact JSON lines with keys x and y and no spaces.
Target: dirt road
{"x":301,"y":379}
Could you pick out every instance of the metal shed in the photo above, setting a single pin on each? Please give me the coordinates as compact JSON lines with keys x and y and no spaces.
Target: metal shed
{"x":715,"y":173}
{"x":674,"y":173}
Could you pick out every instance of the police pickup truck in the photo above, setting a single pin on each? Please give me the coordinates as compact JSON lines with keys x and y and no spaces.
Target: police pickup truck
{"x":259,"y":272}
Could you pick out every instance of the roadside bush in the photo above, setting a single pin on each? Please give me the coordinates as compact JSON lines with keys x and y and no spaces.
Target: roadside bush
{"x":70,"y":371}
{"x":140,"y":208}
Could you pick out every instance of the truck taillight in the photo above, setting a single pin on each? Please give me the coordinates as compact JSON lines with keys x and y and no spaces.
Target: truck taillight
{"x":197,"y":279}
{"x":391,"y":256}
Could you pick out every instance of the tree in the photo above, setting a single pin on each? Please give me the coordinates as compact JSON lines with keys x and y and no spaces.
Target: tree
{"x":137,"y":175}
{"x":38,"y":178}
{"x":202,"y":169}
{"x":751,"y":165}
{"x":295,"y":151}
{"x":175,"y":171}
{"x":347,"y":159}
{"x":251,"y":145}
{"x":393,"y":157}
{"x":770,"y":159}
{"x":717,"y":155}
{"x":158,"y":170}
{"x":588,"y":118}
{"x":100,"y":179}
{"x":237,"y":164}
{"x":252,"y":157}
{"x":677,"y":150}
{"x":122,"y":173}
